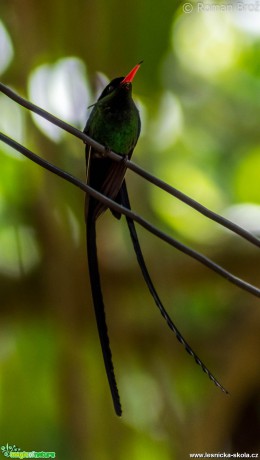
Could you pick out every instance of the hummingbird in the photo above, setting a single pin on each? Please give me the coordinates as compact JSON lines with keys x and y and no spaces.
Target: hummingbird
{"x":115,"y":123}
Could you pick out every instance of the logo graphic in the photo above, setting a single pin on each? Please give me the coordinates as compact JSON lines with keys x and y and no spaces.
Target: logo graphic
{"x":16,"y":452}
{"x":6,"y":450}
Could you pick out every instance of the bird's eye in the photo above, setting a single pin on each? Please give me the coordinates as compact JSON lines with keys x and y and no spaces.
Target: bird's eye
{"x":110,"y":88}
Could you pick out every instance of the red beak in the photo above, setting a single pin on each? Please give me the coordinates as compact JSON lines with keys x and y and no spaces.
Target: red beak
{"x":130,"y":76}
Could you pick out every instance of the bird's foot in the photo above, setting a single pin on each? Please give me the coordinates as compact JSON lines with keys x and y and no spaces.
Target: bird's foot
{"x":125,"y":159}
{"x":103,"y":154}
{"x":105,"y":151}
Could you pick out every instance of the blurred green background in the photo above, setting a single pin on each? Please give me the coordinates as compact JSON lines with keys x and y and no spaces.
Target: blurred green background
{"x":198,"y":94}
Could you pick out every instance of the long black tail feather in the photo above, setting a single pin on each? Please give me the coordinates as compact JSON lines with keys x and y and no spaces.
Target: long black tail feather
{"x":100,"y":310}
{"x":125,"y":201}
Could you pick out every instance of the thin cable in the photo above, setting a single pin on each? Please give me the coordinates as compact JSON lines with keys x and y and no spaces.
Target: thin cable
{"x":133,"y":167}
{"x":144,"y":223}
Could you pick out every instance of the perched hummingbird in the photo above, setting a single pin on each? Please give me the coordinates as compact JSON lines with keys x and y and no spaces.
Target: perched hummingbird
{"x":115,"y":123}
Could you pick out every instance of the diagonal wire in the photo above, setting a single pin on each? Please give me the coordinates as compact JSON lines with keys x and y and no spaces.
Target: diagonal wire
{"x":134,"y":167}
{"x":134,"y":216}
